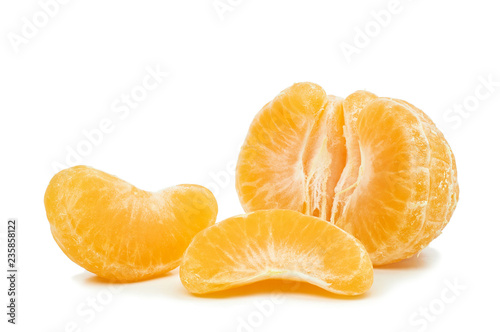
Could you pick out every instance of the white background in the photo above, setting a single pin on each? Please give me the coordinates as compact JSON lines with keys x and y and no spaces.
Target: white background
{"x":70,"y":74}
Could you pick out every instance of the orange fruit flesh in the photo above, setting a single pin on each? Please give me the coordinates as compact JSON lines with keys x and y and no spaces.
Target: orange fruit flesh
{"x":376,"y":167}
{"x":122,"y":233}
{"x":276,"y":244}
{"x":285,"y":162}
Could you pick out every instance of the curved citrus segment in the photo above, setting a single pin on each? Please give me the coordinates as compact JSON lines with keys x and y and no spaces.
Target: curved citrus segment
{"x":286,"y":160}
{"x":120,"y":232}
{"x":407,"y":189}
{"x":276,"y":244}
{"x":376,"y":167}
{"x":352,"y":107}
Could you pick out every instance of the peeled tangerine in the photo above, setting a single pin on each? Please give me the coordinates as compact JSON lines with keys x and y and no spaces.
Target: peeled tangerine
{"x":276,"y":244}
{"x":120,"y":232}
{"x":376,"y":167}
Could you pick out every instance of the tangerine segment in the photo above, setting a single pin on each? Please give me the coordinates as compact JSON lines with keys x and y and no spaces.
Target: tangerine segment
{"x":352,"y":106}
{"x":294,"y":153}
{"x":376,"y":167}
{"x":417,"y":191}
{"x":122,"y":233}
{"x":276,"y":244}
